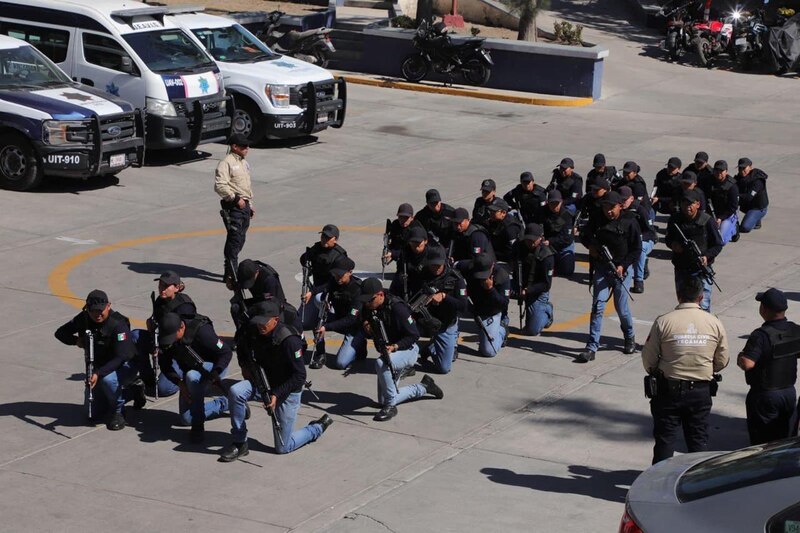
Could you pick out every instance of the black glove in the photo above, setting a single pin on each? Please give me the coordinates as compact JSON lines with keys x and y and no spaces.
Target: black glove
{"x":214,"y":376}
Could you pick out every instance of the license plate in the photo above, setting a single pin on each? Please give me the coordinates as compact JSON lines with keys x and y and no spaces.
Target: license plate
{"x":741,"y":41}
{"x":117,"y":160}
{"x":322,"y":118}
{"x":66,"y":161}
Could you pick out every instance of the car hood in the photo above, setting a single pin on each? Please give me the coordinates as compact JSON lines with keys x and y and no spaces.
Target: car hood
{"x":657,"y":483}
{"x":281,"y":71}
{"x":67,"y":102}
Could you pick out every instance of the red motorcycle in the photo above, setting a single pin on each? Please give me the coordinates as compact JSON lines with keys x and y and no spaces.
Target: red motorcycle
{"x":710,"y":38}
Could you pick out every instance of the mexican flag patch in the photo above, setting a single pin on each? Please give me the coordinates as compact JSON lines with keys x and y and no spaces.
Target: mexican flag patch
{"x":298,"y":354}
{"x":476,"y":250}
{"x":508,"y":292}
{"x":410,"y":319}
{"x":122,"y":336}
{"x":354,"y":312}
{"x":219,"y":343}
{"x":462,"y":292}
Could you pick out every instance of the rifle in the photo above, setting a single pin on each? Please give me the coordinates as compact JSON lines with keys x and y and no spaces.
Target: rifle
{"x":450,"y":260}
{"x":404,"y":276}
{"x":482,"y":326}
{"x":419,"y":308}
{"x":89,"y":359}
{"x":196,"y":362}
{"x":520,"y":296}
{"x":385,"y":248}
{"x":306,"y":285}
{"x":154,"y":353}
{"x":706,"y":271}
{"x":381,"y":341}
{"x":610,"y":264}
{"x":324,"y":309}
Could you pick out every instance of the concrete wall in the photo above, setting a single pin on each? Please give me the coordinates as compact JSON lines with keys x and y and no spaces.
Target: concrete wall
{"x":521,"y":66}
{"x":486,"y":12}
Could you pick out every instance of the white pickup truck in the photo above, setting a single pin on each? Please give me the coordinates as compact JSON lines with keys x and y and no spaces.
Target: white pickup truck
{"x":275,"y":96}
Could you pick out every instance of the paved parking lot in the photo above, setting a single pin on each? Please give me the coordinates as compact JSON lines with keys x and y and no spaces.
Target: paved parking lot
{"x":528,"y":441}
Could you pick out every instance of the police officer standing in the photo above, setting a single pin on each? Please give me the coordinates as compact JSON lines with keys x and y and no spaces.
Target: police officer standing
{"x":684,"y":349}
{"x":753,"y":199}
{"x":278,"y":352}
{"x":769,"y":361}
{"x":619,"y":237}
{"x":665,"y":186}
{"x":633,"y":209}
{"x":203,"y":359}
{"x":699,"y":227}
{"x":232,"y":184}
{"x":535,"y":260}
{"x":469,"y":239}
{"x":490,"y":289}
{"x":400,"y":350}
{"x":480,"y":211}
{"x":436,"y":217}
{"x":569,"y":183}
{"x":114,"y":354}
{"x":559,"y":235}
{"x":528,"y":199}
{"x":723,"y":197}
{"x":321,"y":256}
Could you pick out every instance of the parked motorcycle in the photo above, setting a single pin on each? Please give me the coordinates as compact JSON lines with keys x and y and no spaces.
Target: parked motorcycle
{"x":676,"y":42}
{"x":311,"y":46}
{"x":438,"y":52}
{"x":749,"y":38}
{"x":711,"y":38}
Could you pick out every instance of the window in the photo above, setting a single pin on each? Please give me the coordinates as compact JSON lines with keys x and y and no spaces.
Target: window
{"x":787,"y":521}
{"x":233,"y":44}
{"x":51,"y":42}
{"x":168,"y":50}
{"x":103,"y":51}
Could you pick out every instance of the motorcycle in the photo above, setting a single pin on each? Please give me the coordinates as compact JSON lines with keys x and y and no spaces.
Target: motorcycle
{"x":711,"y":38}
{"x":438,"y":52}
{"x":311,"y":46}
{"x":749,"y":38}
{"x":676,"y":42}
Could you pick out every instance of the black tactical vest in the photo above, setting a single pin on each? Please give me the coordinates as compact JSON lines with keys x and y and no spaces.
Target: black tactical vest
{"x":192,"y":326}
{"x":779,"y":370}
{"x":104,"y":335}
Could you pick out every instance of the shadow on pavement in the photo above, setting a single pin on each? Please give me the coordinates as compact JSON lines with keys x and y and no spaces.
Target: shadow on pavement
{"x":60,"y":185}
{"x":162,"y":158}
{"x":183,"y":271}
{"x":585,"y":481}
{"x":60,"y":414}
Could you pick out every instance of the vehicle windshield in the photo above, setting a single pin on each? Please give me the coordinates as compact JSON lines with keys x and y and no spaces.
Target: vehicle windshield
{"x":742,"y":468}
{"x":27,"y":67}
{"x":233,"y":44}
{"x":169,"y":51}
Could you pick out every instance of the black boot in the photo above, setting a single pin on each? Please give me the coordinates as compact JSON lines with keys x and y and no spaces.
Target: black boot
{"x":116,"y":422}
{"x":638,"y":286}
{"x":233,"y":452}
{"x":585,"y":356}
{"x":646,"y":268}
{"x":431,"y":387}
{"x":137,"y":391}
{"x":324,"y":421}
{"x":758,"y":225}
{"x":387,"y":413}
{"x":736,"y":235}
{"x":317,"y":361}
{"x":630,"y":345}
{"x":198,"y":433}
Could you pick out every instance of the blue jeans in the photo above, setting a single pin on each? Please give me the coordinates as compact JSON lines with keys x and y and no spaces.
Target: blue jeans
{"x":638,"y":266}
{"x":311,"y":313}
{"x":286,"y":413}
{"x":751,"y":219}
{"x":680,"y":275}
{"x":109,"y":392}
{"x":728,"y":228}
{"x":443,"y":347}
{"x":565,"y":262}
{"x":388,"y":393}
{"x":197,"y":410}
{"x":572,"y":208}
{"x":604,"y":285}
{"x":494,"y":325}
{"x":143,"y":340}
{"x":538,"y":314}
{"x":353,"y":345}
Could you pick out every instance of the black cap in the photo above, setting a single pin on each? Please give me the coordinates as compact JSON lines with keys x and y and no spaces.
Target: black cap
{"x":246,"y":272}
{"x":721,"y":165}
{"x":499,"y":205}
{"x":701,"y":157}
{"x":745,"y":162}
{"x":432,"y":196}
{"x":688,"y":177}
{"x":96,"y":300}
{"x":691,"y":196}
{"x":526,"y":177}
{"x":599,"y":160}
{"x":460,"y":215}
{"x":265,"y":310}
{"x":601,"y":183}
{"x":435,"y":256}
{"x":625,"y":192}
{"x":630,"y":166}
{"x":533,"y":232}
{"x":554,"y":196}
{"x":238,"y":139}
{"x":168,"y":329}
{"x":611,"y":198}
{"x":329,"y":230}
{"x":488,"y":185}
{"x":170,"y":277}
{"x":417,"y":234}
{"x":567,"y":163}
{"x":482,"y":266}
{"x":773,"y":299}
{"x":674,"y":162}
{"x":369,"y":288}
{"x":405,"y":210}
{"x":342,"y":265}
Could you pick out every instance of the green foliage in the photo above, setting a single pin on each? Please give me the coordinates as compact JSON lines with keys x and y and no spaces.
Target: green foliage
{"x":566,"y":33}
{"x":405,"y":22}
{"x":474,"y":31}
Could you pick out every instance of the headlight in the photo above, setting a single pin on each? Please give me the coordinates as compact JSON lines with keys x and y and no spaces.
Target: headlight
{"x":57,"y":132}
{"x":278,"y":95}
{"x":161,"y":108}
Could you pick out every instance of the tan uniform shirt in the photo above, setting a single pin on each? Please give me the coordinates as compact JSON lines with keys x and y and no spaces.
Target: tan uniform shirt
{"x":692,"y":344}
{"x":232,"y":178}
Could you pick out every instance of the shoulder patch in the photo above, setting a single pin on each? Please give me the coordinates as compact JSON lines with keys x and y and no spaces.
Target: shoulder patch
{"x":298,"y":354}
{"x":122,"y":336}
{"x":476,"y":250}
{"x":219,"y":343}
{"x":354,"y":311}
{"x":410,"y":319}
{"x":507,"y":292}
{"x":550,"y":272}
{"x":462,"y":292}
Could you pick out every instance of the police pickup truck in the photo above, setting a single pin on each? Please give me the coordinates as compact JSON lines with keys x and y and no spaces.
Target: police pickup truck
{"x":51,"y":125}
{"x":275,"y":96}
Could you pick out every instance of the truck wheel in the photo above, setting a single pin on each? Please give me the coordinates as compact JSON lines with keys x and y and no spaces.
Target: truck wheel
{"x":19,"y":168}
{"x":414,"y":68}
{"x":247,"y":120}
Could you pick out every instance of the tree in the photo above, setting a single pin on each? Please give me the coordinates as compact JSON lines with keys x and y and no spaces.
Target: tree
{"x":527,"y":10}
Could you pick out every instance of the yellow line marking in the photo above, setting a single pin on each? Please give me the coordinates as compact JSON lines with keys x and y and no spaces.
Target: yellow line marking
{"x":471,"y":93}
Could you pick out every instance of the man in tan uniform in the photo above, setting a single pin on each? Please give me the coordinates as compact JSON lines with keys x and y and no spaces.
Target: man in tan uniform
{"x":684,"y":350}
{"x":232,"y":183}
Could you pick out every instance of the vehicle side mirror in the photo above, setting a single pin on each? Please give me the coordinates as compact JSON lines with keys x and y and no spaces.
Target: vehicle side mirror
{"x":127,"y":65}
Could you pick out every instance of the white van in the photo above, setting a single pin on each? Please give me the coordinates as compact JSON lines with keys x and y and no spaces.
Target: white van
{"x":130,"y":50}
{"x":51,"y":125}
{"x":275,"y":96}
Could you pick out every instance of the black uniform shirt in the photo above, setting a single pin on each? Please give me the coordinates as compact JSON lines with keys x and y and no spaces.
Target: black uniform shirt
{"x":753,"y":190}
{"x":503,"y":234}
{"x":206,"y":343}
{"x":623,"y":239}
{"x":571,"y":188}
{"x":558,"y":229}
{"x":267,"y":286}
{"x":113,"y":345}
{"x":452,"y":284}
{"x":724,"y":196}
{"x":401,"y":328}
{"x":532,"y":205}
{"x":706,"y":235}
{"x":439,"y":225}
{"x":489,"y":302}
{"x":471,"y":243}
{"x":759,"y":350}
{"x":282,"y":363}
{"x":346,"y":305}
{"x":322,"y":260}
{"x":398,"y":237}
{"x":181,"y":305}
